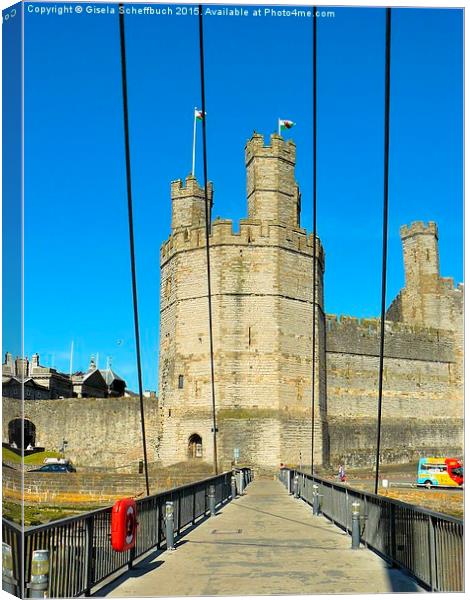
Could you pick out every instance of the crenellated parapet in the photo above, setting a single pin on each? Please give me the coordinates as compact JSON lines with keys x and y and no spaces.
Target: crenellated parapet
{"x":355,"y":336}
{"x":252,"y":233}
{"x":277,"y":148}
{"x":418,"y":228}
{"x":371,"y":325}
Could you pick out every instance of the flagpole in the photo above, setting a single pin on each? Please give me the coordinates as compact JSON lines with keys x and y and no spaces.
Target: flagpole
{"x":194,"y":141}
{"x":71,"y":358}
{"x":279,"y":127}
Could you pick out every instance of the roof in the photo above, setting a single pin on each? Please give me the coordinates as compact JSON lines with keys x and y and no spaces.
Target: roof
{"x":29,"y":381}
{"x":109,"y":376}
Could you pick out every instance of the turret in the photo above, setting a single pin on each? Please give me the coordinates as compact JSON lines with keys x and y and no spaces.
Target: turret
{"x":187,"y":203}
{"x":421,"y":255}
{"x":8,"y":368}
{"x":272,"y":192}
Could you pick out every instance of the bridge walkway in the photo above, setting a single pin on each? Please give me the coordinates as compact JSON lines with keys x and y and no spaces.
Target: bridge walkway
{"x":263,"y":543}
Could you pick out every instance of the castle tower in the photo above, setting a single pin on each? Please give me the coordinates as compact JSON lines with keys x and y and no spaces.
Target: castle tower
{"x":427,"y":300}
{"x":262,"y":323}
{"x":270,"y":183}
{"x":421,"y":256}
{"x":187,"y":203}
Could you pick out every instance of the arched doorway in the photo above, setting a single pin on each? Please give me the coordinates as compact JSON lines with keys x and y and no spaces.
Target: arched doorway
{"x":15,"y":427}
{"x":195,"y":446}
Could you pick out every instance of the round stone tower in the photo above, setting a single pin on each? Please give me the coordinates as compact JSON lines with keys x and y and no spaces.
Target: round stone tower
{"x":262,"y":323}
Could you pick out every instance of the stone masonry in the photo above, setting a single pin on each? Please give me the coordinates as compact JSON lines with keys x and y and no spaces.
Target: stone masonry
{"x":262,"y":327}
{"x":262,"y":319}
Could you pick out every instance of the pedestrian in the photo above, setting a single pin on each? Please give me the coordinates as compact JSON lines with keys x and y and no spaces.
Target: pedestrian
{"x":341,"y":473}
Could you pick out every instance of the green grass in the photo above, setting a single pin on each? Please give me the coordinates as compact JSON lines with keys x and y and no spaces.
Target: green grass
{"x":38,"y":515}
{"x":32,"y":459}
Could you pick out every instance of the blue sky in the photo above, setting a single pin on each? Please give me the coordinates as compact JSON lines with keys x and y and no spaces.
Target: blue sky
{"x":257,"y":69}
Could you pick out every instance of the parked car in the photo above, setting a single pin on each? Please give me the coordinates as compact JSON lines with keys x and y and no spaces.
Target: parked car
{"x":55,"y":468}
{"x":54,"y":460}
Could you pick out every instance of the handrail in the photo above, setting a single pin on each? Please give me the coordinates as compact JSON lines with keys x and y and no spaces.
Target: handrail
{"x":81,"y":556}
{"x":425,"y":544}
{"x":420,"y":509}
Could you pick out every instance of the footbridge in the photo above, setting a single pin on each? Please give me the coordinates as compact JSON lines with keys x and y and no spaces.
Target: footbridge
{"x":233,"y":534}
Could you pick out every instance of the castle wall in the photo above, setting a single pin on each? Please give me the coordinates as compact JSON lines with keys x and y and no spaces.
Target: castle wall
{"x":262,"y":323}
{"x":353,"y":441}
{"x":422,"y":408}
{"x":99,"y":432}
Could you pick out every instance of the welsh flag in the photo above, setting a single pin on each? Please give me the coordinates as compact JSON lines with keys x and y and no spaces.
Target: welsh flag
{"x":198,"y":114}
{"x":285,"y":124}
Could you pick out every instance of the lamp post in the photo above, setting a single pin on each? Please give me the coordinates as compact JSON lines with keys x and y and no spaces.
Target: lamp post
{"x":39,"y":574}
{"x":355,"y":525}
{"x":211,"y":495}
{"x":169,"y":525}
{"x":8,"y":581}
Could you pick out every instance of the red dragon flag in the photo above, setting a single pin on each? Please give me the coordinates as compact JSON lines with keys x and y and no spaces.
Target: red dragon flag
{"x":284,"y":124}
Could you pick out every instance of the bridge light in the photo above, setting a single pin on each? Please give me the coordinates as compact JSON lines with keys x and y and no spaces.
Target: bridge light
{"x":7,"y":561}
{"x":39,"y":574}
{"x":40,"y":566}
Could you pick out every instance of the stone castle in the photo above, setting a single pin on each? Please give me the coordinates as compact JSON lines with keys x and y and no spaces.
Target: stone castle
{"x":262,"y":330}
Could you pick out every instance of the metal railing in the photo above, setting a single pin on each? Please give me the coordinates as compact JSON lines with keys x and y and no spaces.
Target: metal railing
{"x":80,"y":552}
{"x":425,"y":544}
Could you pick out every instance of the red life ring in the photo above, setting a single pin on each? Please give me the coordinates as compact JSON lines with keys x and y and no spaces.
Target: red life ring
{"x":123,"y":525}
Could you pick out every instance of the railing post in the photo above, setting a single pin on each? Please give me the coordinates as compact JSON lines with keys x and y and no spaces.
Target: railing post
{"x":393,"y":534}
{"x":178,"y":515}
{"x":89,"y":569}
{"x":194,"y":506}
{"x":432,"y":554}
{"x":366,"y":518}
{"x":130,"y":563}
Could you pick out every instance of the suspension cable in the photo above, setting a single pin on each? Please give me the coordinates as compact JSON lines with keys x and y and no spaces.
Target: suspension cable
{"x":208,"y":224}
{"x":384,"y":234}
{"x":131,"y":235}
{"x":314,"y":293}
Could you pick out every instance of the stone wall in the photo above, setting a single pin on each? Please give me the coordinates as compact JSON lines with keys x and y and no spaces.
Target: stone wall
{"x":102,"y":431}
{"x":95,"y":487}
{"x":353,"y":441}
{"x":422,"y":407}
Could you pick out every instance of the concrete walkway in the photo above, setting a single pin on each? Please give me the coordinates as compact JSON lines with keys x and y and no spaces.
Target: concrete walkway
{"x":263,"y":543}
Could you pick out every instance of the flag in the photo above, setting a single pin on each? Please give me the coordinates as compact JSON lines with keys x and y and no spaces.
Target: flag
{"x":285,"y":124}
{"x":198,"y":114}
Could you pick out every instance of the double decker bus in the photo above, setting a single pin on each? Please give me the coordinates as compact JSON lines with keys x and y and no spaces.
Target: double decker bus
{"x":440,"y":472}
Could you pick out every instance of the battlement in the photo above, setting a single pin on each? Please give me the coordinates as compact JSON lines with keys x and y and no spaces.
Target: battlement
{"x":347,"y":335}
{"x":189,"y":188}
{"x":251,"y":233}
{"x":418,"y":227}
{"x":371,"y":325}
{"x":277,"y":148}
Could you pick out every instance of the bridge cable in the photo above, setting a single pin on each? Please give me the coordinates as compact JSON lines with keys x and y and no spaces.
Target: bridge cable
{"x":131,"y":234}
{"x":208,"y":225}
{"x":314,"y":292}
{"x":384,"y":234}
